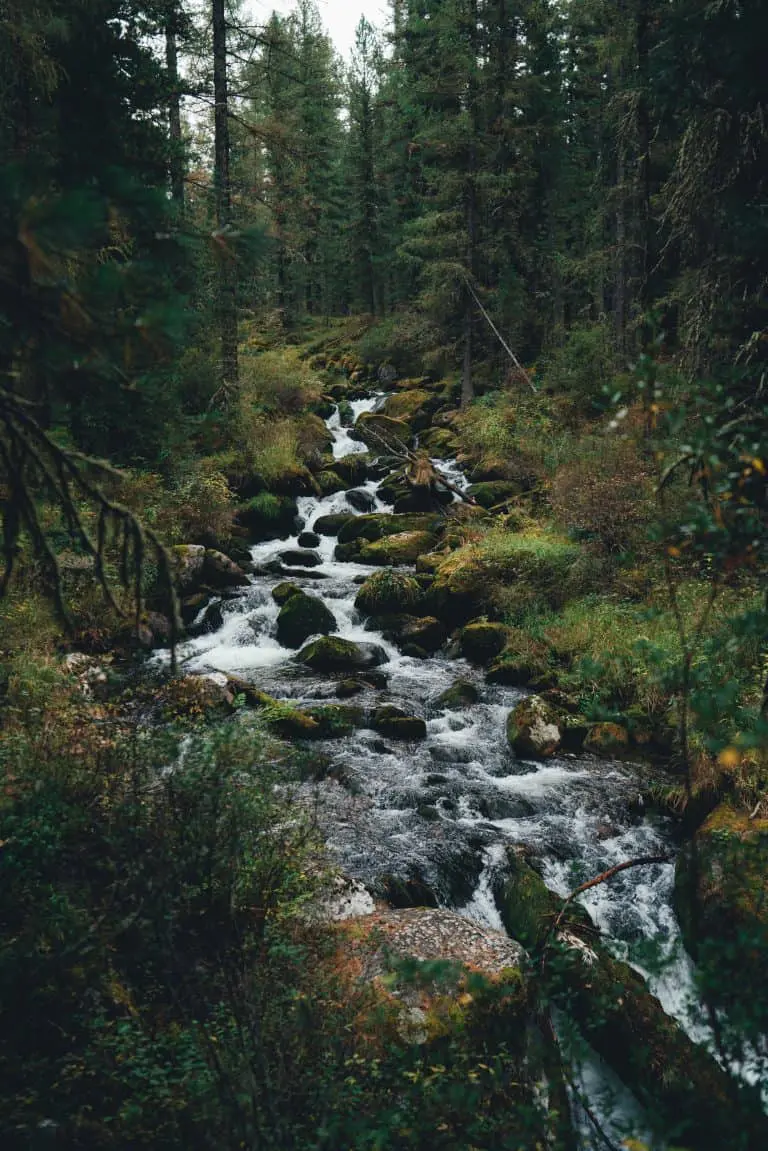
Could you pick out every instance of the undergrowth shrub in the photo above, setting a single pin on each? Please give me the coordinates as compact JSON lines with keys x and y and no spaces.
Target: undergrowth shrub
{"x":277,"y":381}
{"x":582,"y":366}
{"x":408,"y":341}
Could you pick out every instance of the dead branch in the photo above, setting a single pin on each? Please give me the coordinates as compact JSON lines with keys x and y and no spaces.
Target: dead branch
{"x":418,"y":461}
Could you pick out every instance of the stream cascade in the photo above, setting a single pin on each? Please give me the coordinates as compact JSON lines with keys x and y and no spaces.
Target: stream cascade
{"x":441,"y":811}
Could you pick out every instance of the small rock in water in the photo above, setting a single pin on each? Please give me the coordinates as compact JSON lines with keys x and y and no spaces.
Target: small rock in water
{"x":349,"y":687}
{"x":361,"y":500}
{"x":394,"y":723}
{"x":309,"y":540}
{"x":406,"y":892}
{"x":333,"y":654}
{"x":459,"y":695}
{"x":300,"y":617}
{"x":331,"y":525}
{"x":300,"y":557}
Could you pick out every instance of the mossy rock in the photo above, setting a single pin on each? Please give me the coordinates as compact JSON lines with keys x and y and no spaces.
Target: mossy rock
{"x":676,"y":1080}
{"x":440,"y":443}
{"x":352,"y":469}
{"x":534,"y":729}
{"x":300,"y":617}
{"x":188,"y":562}
{"x":346,"y":688}
{"x":331,"y":525}
{"x":301,"y":557}
{"x":403,"y":548}
{"x":607,"y":739}
{"x":380,"y":524}
{"x":336,"y":720}
{"x":308,"y":540}
{"x":334,"y":654}
{"x":347,"y":553}
{"x":721,"y":900}
{"x":518,"y":666}
{"x":283,"y":592}
{"x":268,"y":516}
{"x":381,"y":433}
{"x":480,"y":642}
{"x":290,"y":723}
{"x":413,"y":407}
{"x":493,"y":492}
{"x":296,"y":480}
{"x":460,"y":695}
{"x":219,"y":571}
{"x":329,"y":482}
{"x":394,"y":723}
{"x":424,"y":632}
{"x":388,"y":592}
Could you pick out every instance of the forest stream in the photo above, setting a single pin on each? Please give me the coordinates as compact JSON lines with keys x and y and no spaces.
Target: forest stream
{"x":441,"y":811}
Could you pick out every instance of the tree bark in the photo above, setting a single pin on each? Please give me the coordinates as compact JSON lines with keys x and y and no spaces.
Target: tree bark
{"x":174,"y":107}
{"x":227,"y":267}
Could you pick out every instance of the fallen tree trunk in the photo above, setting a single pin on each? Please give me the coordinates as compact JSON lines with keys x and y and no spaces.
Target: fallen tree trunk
{"x":694,"y":1102}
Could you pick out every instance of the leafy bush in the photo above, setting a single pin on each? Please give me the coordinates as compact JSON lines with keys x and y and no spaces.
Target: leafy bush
{"x":582,"y":366}
{"x":405,"y":340}
{"x":277,"y":381}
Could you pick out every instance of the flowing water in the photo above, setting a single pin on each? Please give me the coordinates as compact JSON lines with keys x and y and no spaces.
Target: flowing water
{"x":443,"y":810}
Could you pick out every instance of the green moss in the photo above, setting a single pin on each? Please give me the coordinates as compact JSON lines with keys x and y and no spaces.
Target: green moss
{"x":335,"y":720}
{"x":380,"y":524}
{"x":329,"y":482}
{"x":608,"y":739}
{"x":334,"y":654}
{"x":412,"y":407}
{"x":493,"y":492}
{"x":381,"y":433}
{"x":534,"y":728}
{"x":458,"y":696}
{"x":387,"y":592}
{"x":283,"y":592}
{"x":440,"y":443}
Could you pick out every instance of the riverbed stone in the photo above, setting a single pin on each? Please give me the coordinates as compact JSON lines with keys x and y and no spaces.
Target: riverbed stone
{"x":402,"y":548}
{"x":353,"y":469}
{"x":300,"y":617}
{"x":331,"y":525}
{"x":394,"y":723}
{"x":300,"y":557}
{"x":333,"y":654}
{"x":460,"y":695}
{"x":481,"y":642}
{"x":346,"y":688}
{"x":309,"y":540}
{"x":336,"y":720}
{"x":219,"y":571}
{"x":381,"y":524}
{"x":492,"y":492}
{"x":388,"y":592}
{"x":329,"y":482}
{"x":267,"y":516}
{"x":533,"y":729}
{"x":441,"y":443}
{"x":413,"y":407}
{"x":361,"y":500}
{"x":607,"y":739}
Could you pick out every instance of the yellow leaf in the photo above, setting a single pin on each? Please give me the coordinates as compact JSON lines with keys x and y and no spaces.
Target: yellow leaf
{"x":673,"y":551}
{"x":729,"y":757}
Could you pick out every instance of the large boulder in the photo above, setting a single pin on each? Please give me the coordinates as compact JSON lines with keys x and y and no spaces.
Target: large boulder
{"x":533,"y":729}
{"x":352,"y":469}
{"x":283,"y":592}
{"x":493,"y":492}
{"x":329,"y":482}
{"x":607,"y":739}
{"x":300,"y":617}
{"x":331,"y":525}
{"x":188,"y":563}
{"x":457,"y":697}
{"x":381,"y":433}
{"x":388,"y":592}
{"x":394,"y":723}
{"x":301,"y":557}
{"x":381,"y":524}
{"x":480,"y":642}
{"x":219,"y":571}
{"x":423,"y":632}
{"x":441,"y":443}
{"x":361,"y":500}
{"x":403,"y":548}
{"x":414,"y":408}
{"x":333,"y":654}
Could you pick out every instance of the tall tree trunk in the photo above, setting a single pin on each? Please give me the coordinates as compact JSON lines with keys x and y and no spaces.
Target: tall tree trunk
{"x":174,"y":107}
{"x":470,"y":212}
{"x":227,"y":268}
{"x":620,"y":290}
{"x":644,"y":162}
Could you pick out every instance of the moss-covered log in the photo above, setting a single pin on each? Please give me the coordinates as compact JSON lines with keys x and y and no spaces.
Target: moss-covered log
{"x":695,"y":1103}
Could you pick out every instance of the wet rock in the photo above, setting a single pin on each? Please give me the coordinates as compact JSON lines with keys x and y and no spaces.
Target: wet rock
{"x":331,"y":525}
{"x":394,"y":723}
{"x":211,"y":621}
{"x":335,"y":720}
{"x":352,"y":469}
{"x":306,"y":573}
{"x":460,"y":695}
{"x":381,"y":433}
{"x":346,"y":898}
{"x":388,"y":593}
{"x":300,"y":557}
{"x":521,"y":665}
{"x":413,"y":408}
{"x":300,"y":617}
{"x":424,"y":632}
{"x":403,"y":892}
{"x":309,"y":540}
{"x":381,"y":524}
{"x":192,"y":605}
{"x":333,"y":654}
{"x":360,"y":499}
{"x":196,"y":696}
{"x":481,"y":642}
{"x":283,"y":592}
{"x":219,"y":571}
{"x":533,"y":729}
{"x":607,"y":739}
{"x":402,"y":548}
{"x":493,"y":492}
{"x":188,"y":561}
